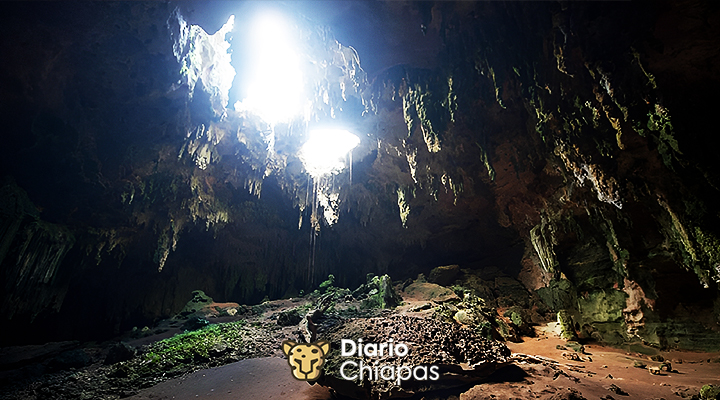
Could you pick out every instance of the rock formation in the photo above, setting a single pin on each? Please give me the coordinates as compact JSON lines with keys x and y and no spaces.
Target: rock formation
{"x":568,"y":145}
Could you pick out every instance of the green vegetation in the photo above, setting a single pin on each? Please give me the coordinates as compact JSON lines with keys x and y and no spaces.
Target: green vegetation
{"x":327,"y":289}
{"x":327,"y":284}
{"x":514,"y":313}
{"x":176,"y":354}
{"x":710,"y":392}
{"x":380,"y":293}
{"x":659,"y":122}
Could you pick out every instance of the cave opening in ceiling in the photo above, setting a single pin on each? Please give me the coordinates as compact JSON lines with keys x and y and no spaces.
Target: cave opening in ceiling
{"x":205,"y":58}
{"x":324,"y":155}
{"x":275,"y":82}
{"x":292,"y":76}
{"x":326,"y":150}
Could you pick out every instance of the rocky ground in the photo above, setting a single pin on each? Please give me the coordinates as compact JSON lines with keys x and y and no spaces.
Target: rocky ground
{"x":550,"y":370}
{"x":229,"y":351}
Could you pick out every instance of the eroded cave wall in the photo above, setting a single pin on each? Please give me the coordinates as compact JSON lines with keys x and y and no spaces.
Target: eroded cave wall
{"x":568,"y":144}
{"x":586,"y":156}
{"x":95,"y":195}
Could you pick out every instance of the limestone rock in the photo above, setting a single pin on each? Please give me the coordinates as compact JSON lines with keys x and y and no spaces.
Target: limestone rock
{"x":119,"y":352}
{"x":378,"y":292}
{"x":444,"y":275}
{"x":567,"y":330}
{"x":289,"y":317}
{"x":510,"y":292}
{"x":198,"y":301}
{"x":430,"y":292}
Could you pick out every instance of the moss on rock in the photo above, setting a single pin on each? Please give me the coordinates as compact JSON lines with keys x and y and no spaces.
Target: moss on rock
{"x":378,"y":292}
{"x":174,"y":354}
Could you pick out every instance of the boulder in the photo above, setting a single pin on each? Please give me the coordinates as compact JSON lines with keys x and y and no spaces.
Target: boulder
{"x":378,"y":292}
{"x":289,"y":317}
{"x":198,"y":301}
{"x":203,"y":306}
{"x":444,"y":275}
{"x":119,"y":352}
{"x":424,"y":291}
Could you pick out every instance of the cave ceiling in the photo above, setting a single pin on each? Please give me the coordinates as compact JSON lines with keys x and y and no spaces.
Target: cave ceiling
{"x":554,"y":141}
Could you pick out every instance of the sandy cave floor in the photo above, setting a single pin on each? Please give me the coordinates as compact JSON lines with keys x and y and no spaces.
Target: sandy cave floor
{"x":608,"y":375}
{"x":256,"y":378}
{"x":540,"y":371}
{"x":603,"y":373}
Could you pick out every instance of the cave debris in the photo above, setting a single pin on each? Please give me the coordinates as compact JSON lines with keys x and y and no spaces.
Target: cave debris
{"x":617,"y":390}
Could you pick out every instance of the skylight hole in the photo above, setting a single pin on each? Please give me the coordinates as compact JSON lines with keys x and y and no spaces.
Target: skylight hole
{"x":276,"y":82}
{"x":326,"y":150}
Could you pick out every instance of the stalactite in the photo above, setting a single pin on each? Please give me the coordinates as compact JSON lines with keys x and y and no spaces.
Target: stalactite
{"x":403,"y":206}
{"x":543,"y":240}
{"x":31,"y":253}
{"x":40,"y":250}
{"x":15,"y":207}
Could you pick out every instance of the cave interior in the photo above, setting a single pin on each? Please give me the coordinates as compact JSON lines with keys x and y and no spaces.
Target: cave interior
{"x":515,"y":164}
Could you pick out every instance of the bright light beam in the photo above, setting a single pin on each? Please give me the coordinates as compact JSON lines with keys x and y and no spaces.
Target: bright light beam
{"x":276,"y":91}
{"x":324,"y":153}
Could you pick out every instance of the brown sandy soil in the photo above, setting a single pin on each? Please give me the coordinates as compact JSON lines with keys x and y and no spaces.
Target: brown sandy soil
{"x":548,"y":375}
{"x":257,"y":378}
{"x":552,"y":373}
{"x":540,"y":371}
{"x":599,"y":368}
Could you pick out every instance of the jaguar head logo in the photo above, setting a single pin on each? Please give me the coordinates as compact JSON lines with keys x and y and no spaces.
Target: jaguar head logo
{"x":306,"y":360}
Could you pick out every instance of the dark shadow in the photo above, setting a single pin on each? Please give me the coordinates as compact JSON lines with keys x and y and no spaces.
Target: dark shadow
{"x":443,"y":393}
{"x":511,"y":373}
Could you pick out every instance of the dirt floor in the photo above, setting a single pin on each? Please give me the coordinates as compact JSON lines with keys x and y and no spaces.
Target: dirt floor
{"x":541,"y":371}
{"x":600,"y":373}
{"x":543,"y":367}
{"x":258,"y":378}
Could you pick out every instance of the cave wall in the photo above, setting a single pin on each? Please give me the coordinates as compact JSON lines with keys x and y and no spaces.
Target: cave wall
{"x":597,"y":182}
{"x":566,"y":144}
